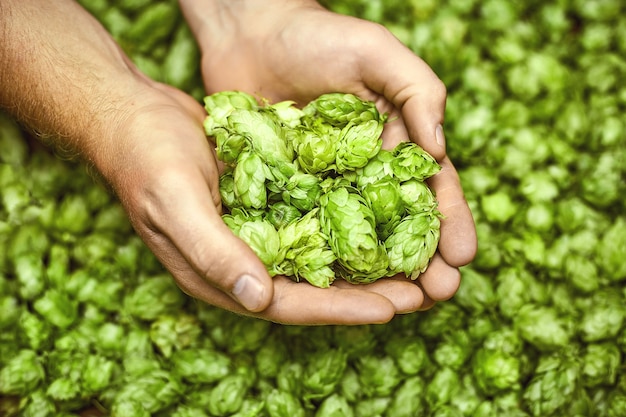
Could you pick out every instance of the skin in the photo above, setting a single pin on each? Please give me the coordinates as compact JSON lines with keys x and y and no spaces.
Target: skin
{"x":79,"y":92}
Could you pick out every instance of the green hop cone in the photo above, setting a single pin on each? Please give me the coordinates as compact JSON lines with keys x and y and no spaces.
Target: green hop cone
{"x":302,"y":191}
{"x":413,"y":162}
{"x":283,"y":404}
{"x":385,"y":199}
{"x":228,"y":395}
{"x":350,"y":225}
{"x":221,"y":104}
{"x":601,"y":364}
{"x":285,"y":112}
{"x":340,"y":109}
{"x":229,"y":145}
{"x":227,"y":190}
{"x":323,"y":372}
{"x":543,"y":327}
{"x":281,"y":214}
{"x":249,"y":177}
{"x":265,"y":135}
{"x":496,"y":371}
{"x":237,"y":217}
{"x":316,"y":151}
{"x":377,"y":168}
{"x":378,"y":375}
{"x":417,"y":196}
{"x":304,"y":251}
{"x":21,"y":374}
{"x":200,"y":365}
{"x":358,"y":143}
{"x":334,"y":406}
{"x":413,"y":243}
{"x":555,"y":373}
{"x":263,"y":238}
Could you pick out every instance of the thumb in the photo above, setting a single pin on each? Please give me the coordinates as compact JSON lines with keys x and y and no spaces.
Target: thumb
{"x":229,"y":264}
{"x":193,"y":241}
{"x":412,"y":86}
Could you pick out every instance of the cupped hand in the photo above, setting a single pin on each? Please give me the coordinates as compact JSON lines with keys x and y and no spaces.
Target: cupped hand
{"x":166,"y":175}
{"x":297,"y":50}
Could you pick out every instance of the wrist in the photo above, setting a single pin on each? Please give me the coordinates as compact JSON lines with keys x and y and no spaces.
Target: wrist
{"x":67,"y":83}
{"x":215,"y":22}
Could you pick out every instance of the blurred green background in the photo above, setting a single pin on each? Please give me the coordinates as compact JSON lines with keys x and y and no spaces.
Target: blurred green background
{"x":535,"y":125}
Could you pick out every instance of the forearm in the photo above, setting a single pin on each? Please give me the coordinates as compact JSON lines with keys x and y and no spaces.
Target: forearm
{"x":62,"y":75}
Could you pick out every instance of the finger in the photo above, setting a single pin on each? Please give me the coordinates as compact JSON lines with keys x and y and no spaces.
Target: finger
{"x":185,"y":214}
{"x":299,"y":303}
{"x":428,"y":303}
{"x":440,"y":281}
{"x":394,"y":71}
{"x":405,"y":296}
{"x":457,"y":243}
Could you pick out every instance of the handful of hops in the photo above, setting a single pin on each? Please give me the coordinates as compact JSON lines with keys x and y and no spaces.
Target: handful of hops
{"x":313,"y":193}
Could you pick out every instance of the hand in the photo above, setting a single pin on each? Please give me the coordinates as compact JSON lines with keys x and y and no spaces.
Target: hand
{"x":166,"y":175}
{"x":146,"y":139}
{"x":297,"y":50}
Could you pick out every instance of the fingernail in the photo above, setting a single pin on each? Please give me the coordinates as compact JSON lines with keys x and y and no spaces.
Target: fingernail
{"x":439,"y":136}
{"x":249,"y":291}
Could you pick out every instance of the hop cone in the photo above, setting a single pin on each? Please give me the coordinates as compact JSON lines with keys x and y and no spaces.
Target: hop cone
{"x":227,"y":190}
{"x":316,"y":151}
{"x":556,"y":373}
{"x":249,"y":180}
{"x":417,"y":196}
{"x":229,"y":145}
{"x":375,"y":170}
{"x":413,"y":162}
{"x":286,"y":113}
{"x":412,"y":243}
{"x":238,"y":216}
{"x":302,"y":191}
{"x":266,"y":136}
{"x":304,"y":251}
{"x":263,"y":238}
{"x":220,"y":105}
{"x":350,"y":225}
{"x":385,"y":199}
{"x":340,"y":109}
{"x":281,"y":214}
{"x":358,"y":143}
